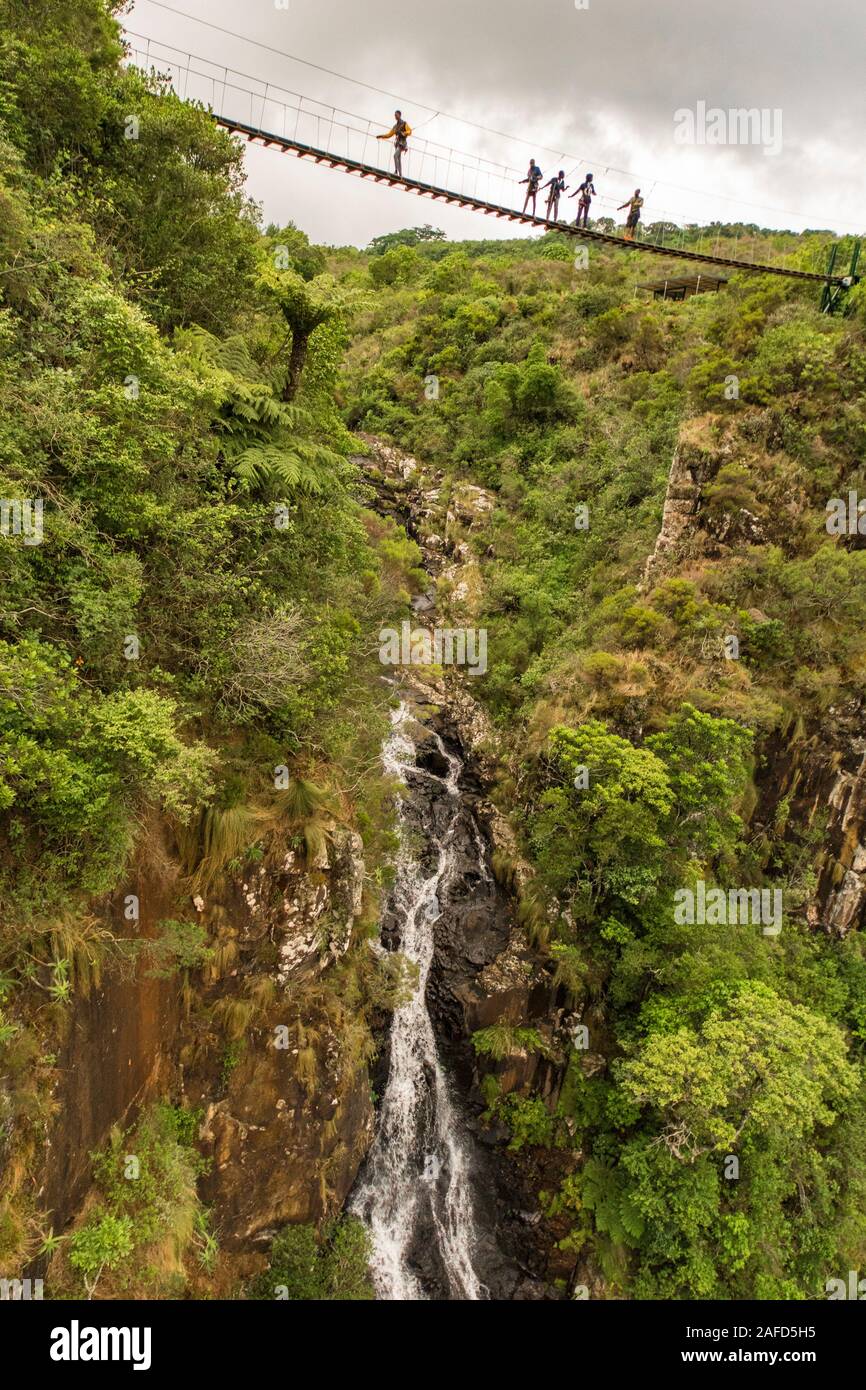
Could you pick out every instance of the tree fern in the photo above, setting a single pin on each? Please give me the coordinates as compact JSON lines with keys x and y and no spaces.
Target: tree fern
{"x":301,"y":467}
{"x":605,"y":1196}
{"x":270,"y":443}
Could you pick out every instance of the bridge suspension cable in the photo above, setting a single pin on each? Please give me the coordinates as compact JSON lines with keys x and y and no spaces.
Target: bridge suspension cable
{"x":601,"y":163}
{"x":265,"y":113}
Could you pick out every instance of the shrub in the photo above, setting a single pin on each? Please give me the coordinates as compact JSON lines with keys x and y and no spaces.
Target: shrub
{"x":305,"y":1265}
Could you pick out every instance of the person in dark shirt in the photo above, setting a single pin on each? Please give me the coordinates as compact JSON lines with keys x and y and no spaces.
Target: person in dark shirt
{"x":557,"y":186}
{"x":585,"y":194}
{"x":401,"y":132}
{"x":533,"y":179}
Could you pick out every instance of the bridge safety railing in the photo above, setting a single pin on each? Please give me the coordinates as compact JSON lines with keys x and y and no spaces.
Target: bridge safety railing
{"x":271,"y":109}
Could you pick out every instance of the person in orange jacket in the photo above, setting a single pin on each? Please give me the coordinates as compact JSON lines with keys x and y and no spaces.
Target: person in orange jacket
{"x":401,"y":131}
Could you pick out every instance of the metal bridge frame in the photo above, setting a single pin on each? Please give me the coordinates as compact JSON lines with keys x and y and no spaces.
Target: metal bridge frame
{"x":834,"y":285}
{"x":834,"y":290}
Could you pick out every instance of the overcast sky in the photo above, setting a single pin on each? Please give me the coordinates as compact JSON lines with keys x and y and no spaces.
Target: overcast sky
{"x":594,"y":88}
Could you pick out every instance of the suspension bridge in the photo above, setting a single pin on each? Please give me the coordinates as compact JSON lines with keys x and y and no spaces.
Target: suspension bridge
{"x":274,"y":117}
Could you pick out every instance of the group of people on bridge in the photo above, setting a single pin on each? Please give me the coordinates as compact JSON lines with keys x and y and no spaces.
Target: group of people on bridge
{"x":585,"y":192}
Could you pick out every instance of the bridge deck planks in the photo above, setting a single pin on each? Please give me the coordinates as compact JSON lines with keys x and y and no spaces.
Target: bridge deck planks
{"x":354,"y":166}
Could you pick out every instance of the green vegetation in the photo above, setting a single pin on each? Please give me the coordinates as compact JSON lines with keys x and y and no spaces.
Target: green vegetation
{"x":197,"y":614}
{"x":206,"y":576}
{"x":147,"y":1217}
{"x":500,"y":1041}
{"x":188,"y":678}
{"x":714,"y":1112}
{"x":327,"y":1265}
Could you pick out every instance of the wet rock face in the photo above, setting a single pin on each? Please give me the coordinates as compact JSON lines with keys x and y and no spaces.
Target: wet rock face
{"x":483,"y":971}
{"x":475,"y":923}
{"x":476,"y":917}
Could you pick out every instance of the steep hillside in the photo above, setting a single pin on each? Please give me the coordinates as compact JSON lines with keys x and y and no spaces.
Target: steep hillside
{"x":193,"y":821}
{"x":675,"y":680}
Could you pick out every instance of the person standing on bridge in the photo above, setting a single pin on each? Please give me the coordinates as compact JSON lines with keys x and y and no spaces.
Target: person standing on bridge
{"x":634,"y":205}
{"x":557,"y":186}
{"x":533,"y":178}
{"x":401,"y":131}
{"x":585,"y":193}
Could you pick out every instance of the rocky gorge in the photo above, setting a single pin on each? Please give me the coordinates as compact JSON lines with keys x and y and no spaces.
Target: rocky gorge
{"x":256,"y":1045}
{"x":300,"y":1130}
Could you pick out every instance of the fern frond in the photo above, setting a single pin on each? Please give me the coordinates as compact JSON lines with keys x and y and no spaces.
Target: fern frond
{"x":301,"y":468}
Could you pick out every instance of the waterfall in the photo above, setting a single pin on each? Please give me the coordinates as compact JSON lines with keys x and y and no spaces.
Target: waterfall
{"x":417,"y":1182}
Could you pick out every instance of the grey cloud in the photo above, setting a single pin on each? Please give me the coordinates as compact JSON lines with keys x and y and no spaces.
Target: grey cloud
{"x":602,"y":83}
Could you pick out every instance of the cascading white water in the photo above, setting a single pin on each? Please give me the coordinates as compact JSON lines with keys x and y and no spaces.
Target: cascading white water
{"x":418,"y":1171}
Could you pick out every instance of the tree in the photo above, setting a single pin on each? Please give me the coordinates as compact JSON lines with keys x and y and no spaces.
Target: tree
{"x":661,"y":231}
{"x":166,"y":196}
{"x":305,"y":305}
{"x":102,"y":1244}
{"x":758,"y":1067}
{"x":292,"y":246}
{"x":307,"y":1266}
{"x":708,"y":762}
{"x":409,"y":236}
{"x":57,"y":65}
{"x":606,"y":815}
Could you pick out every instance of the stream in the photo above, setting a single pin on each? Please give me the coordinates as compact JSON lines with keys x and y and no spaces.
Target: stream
{"x":419,"y":1191}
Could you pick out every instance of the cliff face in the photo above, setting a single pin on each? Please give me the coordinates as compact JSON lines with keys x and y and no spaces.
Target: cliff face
{"x":119,"y":1043}
{"x":282,"y":1079}
{"x":283,"y":1091}
{"x":840,"y":900}
{"x":821,"y":779}
{"x":694,"y":463}
{"x":811,"y":781}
